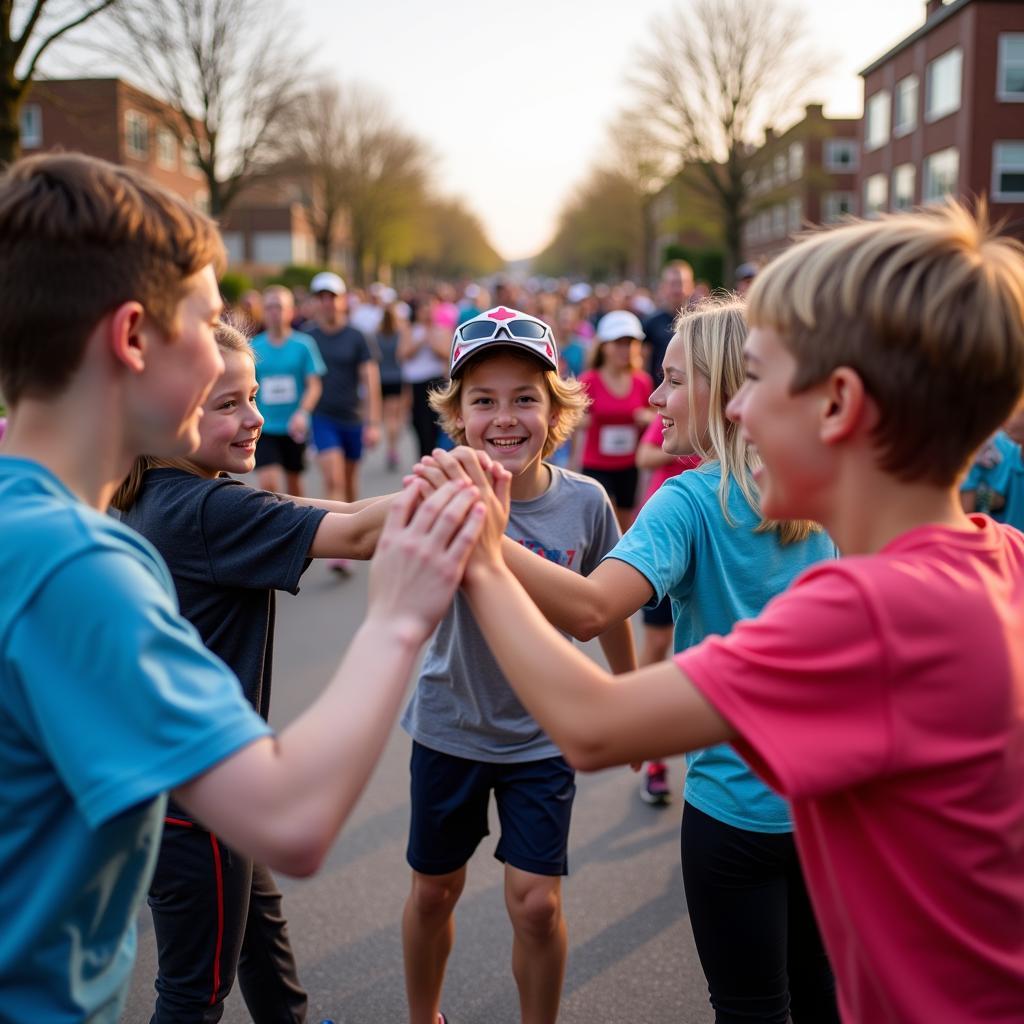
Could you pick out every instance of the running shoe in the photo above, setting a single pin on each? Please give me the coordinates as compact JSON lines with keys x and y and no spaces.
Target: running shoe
{"x":342,"y":566}
{"x":655,"y":788}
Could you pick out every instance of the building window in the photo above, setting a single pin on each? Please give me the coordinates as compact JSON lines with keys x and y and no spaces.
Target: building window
{"x":166,"y":149}
{"x":905,"y":112}
{"x":201,"y":201}
{"x":795,"y":215}
{"x":136,"y":134}
{"x":903,"y":186}
{"x":1008,"y":171}
{"x":765,"y":230}
{"x":779,"y":221}
{"x":779,"y":164}
{"x":942,"y":91}
{"x":837,"y":205}
{"x":796,"y":161}
{"x":190,"y":158}
{"x":31,"y":124}
{"x":876,"y":121}
{"x":1010,"y":67}
{"x":876,"y":195}
{"x":840,"y":155}
{"x":941,"y":171}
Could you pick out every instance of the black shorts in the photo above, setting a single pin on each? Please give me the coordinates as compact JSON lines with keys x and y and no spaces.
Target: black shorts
{"x":619,"y":483}
{"x":660,"y":614}
{"x":449,"y":812}
{"x":388,"y":390}
{"x":280,"y":450}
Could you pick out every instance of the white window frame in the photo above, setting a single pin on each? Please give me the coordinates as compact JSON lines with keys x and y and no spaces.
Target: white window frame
{"x":931,"y":113}
{"x":133,"y":119}
{"x":901,"y":128}
{"x":780,"y":169}
{"x":894,"y":192}
{"x":850,"y":147}
{"x":927,"y":196}
{"x":878,"y":106}
{"x":189,"y":159}
{"x":874,"y":209}
{"x":831,"y":202}
{"x":797,"y":160}
{"x":31,"y":112}
{"x":779,"y":220}
{"x":1016,"y":165}
{"x":167,"y":159}
{"x":1001,"y":63}
{"x":795,"y":214}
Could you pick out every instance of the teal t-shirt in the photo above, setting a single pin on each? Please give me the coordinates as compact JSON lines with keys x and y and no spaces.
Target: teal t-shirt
{"x":281,"y":372}
{"x":1006,"y":477}
{"x":716,"y":573}
{"x":108,"y":699}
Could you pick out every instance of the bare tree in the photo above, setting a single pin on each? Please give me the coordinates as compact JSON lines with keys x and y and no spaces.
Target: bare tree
{"x":362,"y":165}
{"x":719,"y":72}
{"x":222,"y":68}
{"x":27,"y":31}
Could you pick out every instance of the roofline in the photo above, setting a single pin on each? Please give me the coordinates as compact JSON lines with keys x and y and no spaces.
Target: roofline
{"x":937,"y":19}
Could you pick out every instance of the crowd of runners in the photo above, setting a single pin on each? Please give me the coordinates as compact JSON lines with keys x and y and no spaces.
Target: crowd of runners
{"x":809,"y":483}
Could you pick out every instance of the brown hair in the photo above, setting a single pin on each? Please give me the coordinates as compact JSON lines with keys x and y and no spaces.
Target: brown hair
{"x":928,"y":308}
{"x":568,"y":398}
{"x":230,"y":339}
{"x":79,"y":237}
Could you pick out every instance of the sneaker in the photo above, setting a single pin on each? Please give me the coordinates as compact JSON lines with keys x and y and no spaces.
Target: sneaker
{"x":342,"y":566}
{"x":655,"y":788}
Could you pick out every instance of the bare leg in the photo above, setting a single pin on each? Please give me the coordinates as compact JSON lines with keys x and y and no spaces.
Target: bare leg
{"x":293,"y":481}
{"x":428,"y":934}
{"x":540,"y":942}
{"x":332,"y":468}
{"x":351,"y":480}
{"x":270,"y":478}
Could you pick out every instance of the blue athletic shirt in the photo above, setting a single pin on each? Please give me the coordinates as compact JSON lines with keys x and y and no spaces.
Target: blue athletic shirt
{"x":281,"y":372}
{"x":716,"y":574}
{"x":108,"y":699}
{"x":1006,"y":477}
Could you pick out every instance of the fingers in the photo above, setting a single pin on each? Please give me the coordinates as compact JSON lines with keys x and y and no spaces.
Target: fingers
{"x":442,"y":513}
{"x":467,"y":462}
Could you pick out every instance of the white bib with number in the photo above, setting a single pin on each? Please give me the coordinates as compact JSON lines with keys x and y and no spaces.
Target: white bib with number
{"x":617,"y":440}
{"x":279,"y":390}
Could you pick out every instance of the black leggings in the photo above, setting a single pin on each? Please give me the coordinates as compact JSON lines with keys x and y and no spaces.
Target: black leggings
{"x":752,"y":921}
{"x":214,"y":911}
{"x":424,"y":420}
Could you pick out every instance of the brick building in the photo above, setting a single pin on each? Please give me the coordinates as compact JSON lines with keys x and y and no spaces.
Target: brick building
{"x":944,"y":112}
{"x":806,"y":175}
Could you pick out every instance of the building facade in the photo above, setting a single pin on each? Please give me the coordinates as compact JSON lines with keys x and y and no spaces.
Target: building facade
{"x":944,"y":113}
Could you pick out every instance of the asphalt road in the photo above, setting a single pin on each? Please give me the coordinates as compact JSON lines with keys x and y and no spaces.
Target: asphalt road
{"x":631,"y":956}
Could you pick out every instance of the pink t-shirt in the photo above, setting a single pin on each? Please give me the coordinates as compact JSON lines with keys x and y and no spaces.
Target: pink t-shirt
{"x":613,"y":432}
{"x":652,"y":435}
{"x":884,"y":695}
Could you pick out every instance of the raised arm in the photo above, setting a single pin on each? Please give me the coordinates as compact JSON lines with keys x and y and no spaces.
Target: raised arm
{"x":282,"y":800}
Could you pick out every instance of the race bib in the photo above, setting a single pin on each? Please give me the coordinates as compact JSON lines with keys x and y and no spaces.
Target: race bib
{"x":279,"y":390}
{"x":617,"y":440}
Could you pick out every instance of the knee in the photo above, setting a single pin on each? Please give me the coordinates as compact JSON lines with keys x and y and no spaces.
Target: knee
{"x":535,"y":911}
{"x":435,"y":895}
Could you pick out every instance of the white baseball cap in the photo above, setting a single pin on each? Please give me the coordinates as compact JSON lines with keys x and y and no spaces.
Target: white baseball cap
{"x":501,"y":326}
{"x":619,"y":323}
{"x":327,"y":282}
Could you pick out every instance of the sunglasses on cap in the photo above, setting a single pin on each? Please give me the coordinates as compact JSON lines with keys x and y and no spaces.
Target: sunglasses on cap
{"x":502,"y":326}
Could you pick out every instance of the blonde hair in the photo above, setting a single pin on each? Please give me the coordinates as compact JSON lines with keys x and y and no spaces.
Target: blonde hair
{"x":568,"y":398}
{"x":712,"y":335}
{"x":928,"y":308}
{"x":229,"y":339}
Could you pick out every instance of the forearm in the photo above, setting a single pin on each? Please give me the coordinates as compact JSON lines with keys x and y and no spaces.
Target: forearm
{"x":374,"y":402}
{"x":342,"y":507}
{"x":619,"y":647}
{"x":350,"y":536}
{"x":314,"y":389}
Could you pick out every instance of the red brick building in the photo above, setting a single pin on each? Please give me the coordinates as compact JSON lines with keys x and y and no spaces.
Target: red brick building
{"x":944,"y":112}
{"x":807,"y":175}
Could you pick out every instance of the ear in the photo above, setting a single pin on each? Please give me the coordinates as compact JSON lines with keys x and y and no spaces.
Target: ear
{"x":847,"y":407}
{"x":127,"y":339}
{"x":460,"y":423}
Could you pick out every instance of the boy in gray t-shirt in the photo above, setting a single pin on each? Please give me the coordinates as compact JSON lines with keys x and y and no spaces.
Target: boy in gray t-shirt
{"x":470,"y":733}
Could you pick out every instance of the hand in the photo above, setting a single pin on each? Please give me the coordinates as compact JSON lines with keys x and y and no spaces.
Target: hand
{"x":436,"y":469}
{"x":371,"y":435}
{"x":298,"y":426}
{"x":422,"y":554}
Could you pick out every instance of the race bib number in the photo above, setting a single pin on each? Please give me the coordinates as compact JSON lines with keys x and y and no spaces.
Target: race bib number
{"x":617,"y":440}
{"x":279,"y":390}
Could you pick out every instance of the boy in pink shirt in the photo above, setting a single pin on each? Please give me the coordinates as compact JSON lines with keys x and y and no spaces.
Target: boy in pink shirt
{"x":883,"y":694}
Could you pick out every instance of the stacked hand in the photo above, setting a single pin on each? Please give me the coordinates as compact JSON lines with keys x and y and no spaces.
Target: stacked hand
{"x":422,"y":554}
{"x":492,"y":481}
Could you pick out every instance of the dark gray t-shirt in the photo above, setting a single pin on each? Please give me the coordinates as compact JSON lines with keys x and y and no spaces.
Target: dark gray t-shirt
{"x":343,"y":353}
{"x":463,"y":705}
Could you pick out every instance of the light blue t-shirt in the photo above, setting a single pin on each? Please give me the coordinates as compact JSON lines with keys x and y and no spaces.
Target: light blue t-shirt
{"x":108,"y":699}
{"x":281,"y":372}
{"x":716,"y":574}
{"x":1006,"y":477}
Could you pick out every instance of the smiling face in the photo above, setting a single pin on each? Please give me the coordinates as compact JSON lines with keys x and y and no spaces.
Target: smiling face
{"x":505,"y":410}
{"x":231,"y":422}
{"x":681,"y":399}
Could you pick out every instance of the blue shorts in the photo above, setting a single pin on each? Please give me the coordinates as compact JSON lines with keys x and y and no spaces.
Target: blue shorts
{"x":328,"y":433}
{"x":449,"y":797}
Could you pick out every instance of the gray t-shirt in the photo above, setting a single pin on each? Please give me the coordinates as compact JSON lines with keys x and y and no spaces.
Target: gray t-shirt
{"x":463,"y":705}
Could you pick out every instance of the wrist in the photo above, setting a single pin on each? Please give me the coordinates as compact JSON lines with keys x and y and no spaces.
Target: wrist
{"x":405,"y":633}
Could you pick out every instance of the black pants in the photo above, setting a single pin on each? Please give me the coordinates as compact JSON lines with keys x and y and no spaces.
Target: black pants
{"x":424,"y":420}
{"x":752,"y":921}
{"x":214,"y":912}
